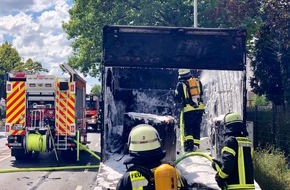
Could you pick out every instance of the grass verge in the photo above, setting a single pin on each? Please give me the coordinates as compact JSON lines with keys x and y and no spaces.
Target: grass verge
{"x":271,"y":169}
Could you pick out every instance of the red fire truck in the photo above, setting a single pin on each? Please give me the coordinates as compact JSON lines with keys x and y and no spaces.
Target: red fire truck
{"x":45,"y":113}
{"x":92,"y":112}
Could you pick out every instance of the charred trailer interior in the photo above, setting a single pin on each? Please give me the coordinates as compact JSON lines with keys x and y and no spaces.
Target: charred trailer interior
{"x":140,"y":71}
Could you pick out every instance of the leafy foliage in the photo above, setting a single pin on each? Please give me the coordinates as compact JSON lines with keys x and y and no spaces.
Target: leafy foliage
{"x":10,"y":60}
{"x":271,"y":52}
{"x":267,"y":68}
{"x":260,"y":101}
{"x":31,"y":66}
{"x":96,"y":90}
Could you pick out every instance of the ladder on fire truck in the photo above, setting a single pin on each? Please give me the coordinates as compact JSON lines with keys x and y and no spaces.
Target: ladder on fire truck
{"x":62,"y":138}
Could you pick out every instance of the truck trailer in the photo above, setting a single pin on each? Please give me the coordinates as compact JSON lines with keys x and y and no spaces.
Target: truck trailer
{"x":140,"y":70}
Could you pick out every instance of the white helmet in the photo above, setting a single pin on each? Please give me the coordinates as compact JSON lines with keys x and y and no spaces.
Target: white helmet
{"x":143,"y":137}
{"x":183,"y":71}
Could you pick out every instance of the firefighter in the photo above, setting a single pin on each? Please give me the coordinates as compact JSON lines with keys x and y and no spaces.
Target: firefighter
{"x":236,"y":156}
{"x":188,"y":95}
{"x":145,"y":157}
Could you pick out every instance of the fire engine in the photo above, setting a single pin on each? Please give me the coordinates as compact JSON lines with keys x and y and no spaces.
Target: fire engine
{"x":45,"y":113}
{"x":92,"y":111}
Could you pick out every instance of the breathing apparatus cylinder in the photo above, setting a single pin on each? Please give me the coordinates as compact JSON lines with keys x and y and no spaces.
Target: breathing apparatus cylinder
{"x":165,"y":177}
{"x":193,"y":85}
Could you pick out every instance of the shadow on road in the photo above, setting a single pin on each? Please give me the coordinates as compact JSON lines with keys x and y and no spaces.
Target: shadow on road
{"x":44,"y":160}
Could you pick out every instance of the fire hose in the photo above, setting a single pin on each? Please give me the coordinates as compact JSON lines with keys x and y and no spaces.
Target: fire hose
{"x":196,"y":154}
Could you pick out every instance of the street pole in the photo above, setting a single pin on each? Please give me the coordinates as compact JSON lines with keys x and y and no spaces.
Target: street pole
{"x":195,"y":14}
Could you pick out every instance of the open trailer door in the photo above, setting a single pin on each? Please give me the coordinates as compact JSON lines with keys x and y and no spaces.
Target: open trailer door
{"x":140,"y":73}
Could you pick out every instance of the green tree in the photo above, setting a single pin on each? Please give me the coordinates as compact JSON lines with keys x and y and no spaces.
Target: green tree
{"x":87,"y":19}
{"x":30,"y":66}
{"x":267,"y":78}
{"x":271,"y":52}
{"x":260,"y":101}
{"x":9,"y":59}
{"x":97,"y":88}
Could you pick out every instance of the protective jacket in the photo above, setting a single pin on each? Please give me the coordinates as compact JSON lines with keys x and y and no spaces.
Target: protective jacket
{"x":237,"y":167}
{"x":134,"y":180}
{"x":184,"y":98}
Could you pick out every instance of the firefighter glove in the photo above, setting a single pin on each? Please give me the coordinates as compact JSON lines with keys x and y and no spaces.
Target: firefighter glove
{"x":220,"y":181}
{"x":214,"y":163}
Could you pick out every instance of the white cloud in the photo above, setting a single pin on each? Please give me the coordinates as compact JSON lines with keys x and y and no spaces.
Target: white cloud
{"x":35,"y":34}
{"x":34,"y":27}
{"x":10,"y":7}
{"x":36,"y":6}
{"x":41,"y":5}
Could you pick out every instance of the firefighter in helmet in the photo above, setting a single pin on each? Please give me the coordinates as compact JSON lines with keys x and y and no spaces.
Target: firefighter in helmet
{"x":236,"y":167}
{"x":145,"y":156}
{"x":188,"y":96}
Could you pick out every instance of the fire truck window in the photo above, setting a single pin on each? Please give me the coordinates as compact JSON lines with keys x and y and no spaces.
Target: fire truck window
{"x":90,"y":104}
{"x":63,"y":85}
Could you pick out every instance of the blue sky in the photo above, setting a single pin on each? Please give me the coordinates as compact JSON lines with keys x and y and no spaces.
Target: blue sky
{"x":34,"y":28}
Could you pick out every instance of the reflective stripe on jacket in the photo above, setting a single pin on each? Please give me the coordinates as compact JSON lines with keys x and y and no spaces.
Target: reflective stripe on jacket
{"x":138,"y":181}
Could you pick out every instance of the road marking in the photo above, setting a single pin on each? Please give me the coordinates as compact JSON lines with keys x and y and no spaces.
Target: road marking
{"x":4,"y":154}
{"x":3,"y":149}
{"x":4,"y":158}
{"x":97,"y":188}
{"x":88,"y":164}
{"x":79,"y":187}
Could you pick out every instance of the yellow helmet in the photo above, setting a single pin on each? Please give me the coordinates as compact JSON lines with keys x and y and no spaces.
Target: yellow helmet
{"x":143,"y":137}
{"x":234,"y":124}
{"x":233,"y":117}
{"x":183,"y":71}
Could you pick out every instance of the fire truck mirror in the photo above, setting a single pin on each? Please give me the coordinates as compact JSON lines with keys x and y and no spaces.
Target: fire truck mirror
{"x":63,"y":85}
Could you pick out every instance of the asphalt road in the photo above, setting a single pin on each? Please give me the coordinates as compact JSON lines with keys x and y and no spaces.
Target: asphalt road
{"x":78,"y":179}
